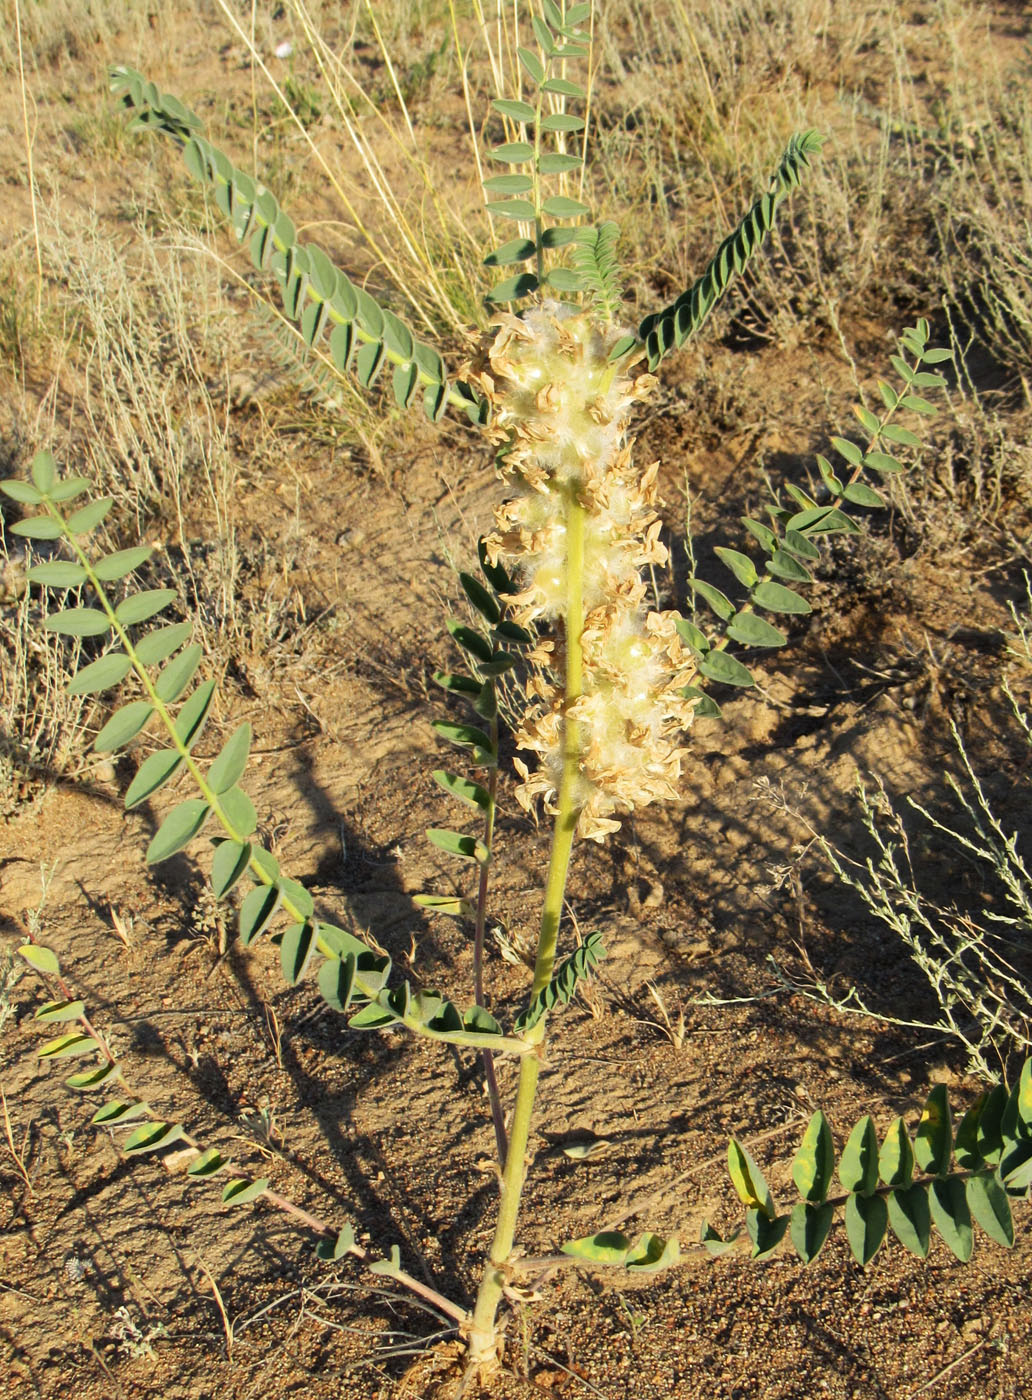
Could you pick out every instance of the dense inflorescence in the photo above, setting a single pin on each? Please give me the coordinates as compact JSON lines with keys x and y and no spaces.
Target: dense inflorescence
{"x":560,"y":417}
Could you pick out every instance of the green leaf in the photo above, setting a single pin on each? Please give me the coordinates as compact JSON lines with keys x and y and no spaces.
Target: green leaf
{"x":297,"y":897}
{"x":765,"y":1234}
{"x":208,"y":1163}
{"x":557,"y":206}
{"x":607,"y":1247}
{"x":230,"y":860}
{"x":965,"y":1140}
{"x":44,"y":471}
{"x":451,"y":905}
{"x":815,"y":1161}
{"x":706,"y":707}
{"x":123,"y":562}
{"x":470,"y":641}
{"x":512,"y":152}
{"x":228,"y":768}
{"x":296,"y":950}
{"x":519,"y":209}
{"x":563,"y":87}
{"x":849,"y":450}
{"x":557,"y":162}
{"x":387,"y":1267}
{"x":123,"y":725}
{"x":692,"y":635}
{"x":858,"y":1166}
{"x":740,"y":565}
{"x":101,"y":675}
{"x":178,"y":674}
{"x":369,"y":362}
{"x":191,"y":717}
{"x":82,"y":521}
{"x":238,"y":809}
{"x":776,"y":598}
{"x":337,"y":981}
{"x":513,"y":288}
{"x":94,"y":1078}
{"x":21,"y":491}
{"x":809,"y":1227}
{"x":862,"y":495}
{"x":933,"y":1142}
{"x":257,"y":911}
{"x":241,"y":1192}
{"x":786,"y":565}
{"x":896,"y":1158}
{"x":532,"y":64}
{"x":150,"y":1136}
{"x":78,"y":1043}
{"x":989,"y":1138}
{"x":178,"y":829}
{"x":988,"y":1204}
{"x":41,"y":958}
{"x":78,"y":622}
{"x":330,"y":1250}
{"x":118,"y":1111}
{"x":748,"y":1180}
{"x":721,"y":605}
{"x":481,"y":599}
{"x":753,"y":631}
{"x":162,"y":642}
{"x":718,"y":666}
{"x":458,"y":845}
{"x":141,"y":606}
{"x":895,"y":433}
{"x":951,"y":1216}
{"x":911,"y":1219}
{"x":516,"y":111}
{"x":59,"y":573}
{"x":471,"y":793}
{"x":868,"y":419}
{"x":651,"y":1253}
{"x":509,"y":184}
{"x":38,"y":527}
{"x":867,"y":1218}
{"x":457,"y":684}
{"x":154,"y":772}
{"x":917,"y":404}
{"x":67,"y":1010}
{"x":467,"y":736}
{"x":882,"y":462}
{"x":561,"y":121}
{"x":714,"y":1241}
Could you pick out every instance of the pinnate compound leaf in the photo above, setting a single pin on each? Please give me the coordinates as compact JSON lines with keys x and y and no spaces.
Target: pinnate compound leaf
{"x":101,"y":674}
{"x":228,"y":768}
{"x":896,"y":1158}
{"x":766,"y":1234}
{"x":911,"y":1218}
{"x":933,"y":1143}
{"x":95,"y":1077}
{"x":867,"y":1219}
{"x":988,"y":1203}
{"x":140,"y":607}
{"x":858,"y":1166}
{"x":814,"y":1163}
{"x":241,"y":1192}
{"x":809,"y":1227}
{"x":123,"y":562}
{"x":58,"y":573}
{"x":78,"y":622}
{"x":154,"y":772}
{"x":951,"y":1216}
{"x":178,"y":674}
{"x":162,"y":642}
{"x":748,"y":1180}
{"x":40,"y":958}
{"x":123,"y":725}
{"x":178,"y":829}
{"x":77,"y":1043}
{"x":151,"y":1136}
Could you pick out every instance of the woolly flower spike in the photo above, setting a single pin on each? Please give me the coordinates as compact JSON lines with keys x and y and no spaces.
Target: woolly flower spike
{"x":559,"y":418}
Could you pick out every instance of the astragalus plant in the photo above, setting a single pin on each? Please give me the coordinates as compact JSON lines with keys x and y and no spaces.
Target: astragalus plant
{"x":604,"y":683}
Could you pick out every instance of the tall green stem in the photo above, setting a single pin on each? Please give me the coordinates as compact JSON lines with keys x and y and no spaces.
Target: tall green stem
{"x":483,"y":1337}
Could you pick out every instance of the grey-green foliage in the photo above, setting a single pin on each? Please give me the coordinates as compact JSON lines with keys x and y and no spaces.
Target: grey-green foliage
{"x":788,"y":538}
{"x":351,"y":977}
{"x":944,"y":1177}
